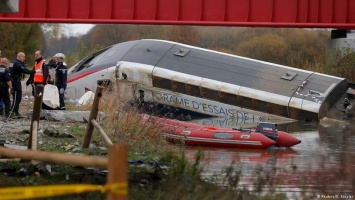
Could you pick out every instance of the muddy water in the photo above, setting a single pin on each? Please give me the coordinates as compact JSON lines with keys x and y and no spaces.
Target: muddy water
{"x":322,"y":166}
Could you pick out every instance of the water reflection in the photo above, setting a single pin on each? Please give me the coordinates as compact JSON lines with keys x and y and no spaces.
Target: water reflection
{"x":215,"y":159}
{"x":323,"y":164}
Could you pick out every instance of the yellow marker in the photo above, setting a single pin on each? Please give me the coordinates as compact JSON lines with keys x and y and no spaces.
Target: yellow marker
{"x":29,"y":192}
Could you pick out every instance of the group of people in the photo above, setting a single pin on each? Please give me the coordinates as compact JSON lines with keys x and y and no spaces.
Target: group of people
{"x":11,"y":75}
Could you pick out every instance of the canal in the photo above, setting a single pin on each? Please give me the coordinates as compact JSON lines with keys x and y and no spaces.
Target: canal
{"x":322,"y":166}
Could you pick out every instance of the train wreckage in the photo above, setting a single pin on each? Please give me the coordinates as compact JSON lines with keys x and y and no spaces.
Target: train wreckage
{"x":212,"y":83}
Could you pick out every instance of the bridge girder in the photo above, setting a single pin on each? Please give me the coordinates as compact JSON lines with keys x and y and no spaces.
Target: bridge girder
{"x":339,"y":14}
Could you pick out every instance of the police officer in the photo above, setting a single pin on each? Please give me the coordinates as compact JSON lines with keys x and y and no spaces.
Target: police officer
{"x":17,"y":72}
{"x":5,"y":84}
{"x":61,"y":78}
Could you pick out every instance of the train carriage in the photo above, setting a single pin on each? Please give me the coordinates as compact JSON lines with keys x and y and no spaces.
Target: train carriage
{"x":210,"y":82}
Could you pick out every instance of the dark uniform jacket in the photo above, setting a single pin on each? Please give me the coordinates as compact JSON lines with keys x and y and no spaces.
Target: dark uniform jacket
{"x":5,"y":76}
{"x":18,"y":70}
{"x":61,"y":75}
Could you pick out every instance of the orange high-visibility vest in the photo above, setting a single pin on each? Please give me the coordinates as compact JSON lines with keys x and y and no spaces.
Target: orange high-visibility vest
{"x":38,"y":77}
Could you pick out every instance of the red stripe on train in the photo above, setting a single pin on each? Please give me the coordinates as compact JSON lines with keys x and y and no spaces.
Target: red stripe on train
{"x":79,"y":76}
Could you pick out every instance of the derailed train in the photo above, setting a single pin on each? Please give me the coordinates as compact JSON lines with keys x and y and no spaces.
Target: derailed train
{"x":212,"y":83}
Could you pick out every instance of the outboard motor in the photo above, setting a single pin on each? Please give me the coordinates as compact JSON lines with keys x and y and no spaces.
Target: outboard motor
{"x":267,"y":129}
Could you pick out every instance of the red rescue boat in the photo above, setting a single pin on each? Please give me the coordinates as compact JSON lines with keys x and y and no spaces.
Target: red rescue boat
{"x":216,"y":137}
{"x":265,"y":135}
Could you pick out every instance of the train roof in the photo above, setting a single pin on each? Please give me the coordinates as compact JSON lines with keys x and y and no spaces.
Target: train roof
{"x":236,"y":70}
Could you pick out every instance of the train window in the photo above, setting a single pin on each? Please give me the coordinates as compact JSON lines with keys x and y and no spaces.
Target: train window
{"x":81,"y":65}
{"x":229,"y":98}
{"x":289,"y":75}
{"x":94,"y":60}
{"x":111,"y":52}
{"x":89,"y":61}
{"x":162,"y":83}
{"x":193,"y":90}
{"x":246,"y":102}
{"x":182,"y":52}
{"x":210,"y":94}
{"x":178,"y":87}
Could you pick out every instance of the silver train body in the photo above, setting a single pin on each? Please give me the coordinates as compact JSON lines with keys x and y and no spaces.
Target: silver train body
{"x":210,"y":82}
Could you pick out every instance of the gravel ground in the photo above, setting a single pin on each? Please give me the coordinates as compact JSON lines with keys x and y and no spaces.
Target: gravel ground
{"x":17,"y":129}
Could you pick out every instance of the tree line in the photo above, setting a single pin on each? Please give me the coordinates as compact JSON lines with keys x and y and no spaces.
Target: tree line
{"x":300,"y":48}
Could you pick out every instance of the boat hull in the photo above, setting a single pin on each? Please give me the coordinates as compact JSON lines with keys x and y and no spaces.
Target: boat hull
{"x":216,"y":138}
{"x":286,"y":140}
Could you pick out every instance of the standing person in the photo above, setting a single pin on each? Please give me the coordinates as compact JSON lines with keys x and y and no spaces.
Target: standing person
{"x":17,"y":72}
{"x":1,"y":101}
{"x":41,"y":72}
{"x":5,"y":84}
{"x":61,"y":78}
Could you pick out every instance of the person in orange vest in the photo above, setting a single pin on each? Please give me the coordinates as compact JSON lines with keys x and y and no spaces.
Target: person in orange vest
{"x":41,"y":69}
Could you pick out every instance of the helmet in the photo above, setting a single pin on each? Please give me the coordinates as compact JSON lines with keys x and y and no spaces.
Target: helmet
{"x":60,"y":56}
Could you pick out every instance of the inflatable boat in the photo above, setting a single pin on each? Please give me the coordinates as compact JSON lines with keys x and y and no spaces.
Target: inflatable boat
{"x":263,"y":136}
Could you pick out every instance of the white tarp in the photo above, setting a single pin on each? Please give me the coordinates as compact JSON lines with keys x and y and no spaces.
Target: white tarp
{"x":87,"y":98}
{"x":51,"y":96}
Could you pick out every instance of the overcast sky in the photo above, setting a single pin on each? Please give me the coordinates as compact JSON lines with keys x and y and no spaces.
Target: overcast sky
{"x":75,"y":29}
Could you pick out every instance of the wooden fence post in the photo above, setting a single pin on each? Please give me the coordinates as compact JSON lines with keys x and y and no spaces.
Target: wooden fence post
{"x":93,"y":115}
{"x":102,"y":133}
{"x":117,"y":169}
{"x":36,"y":114}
